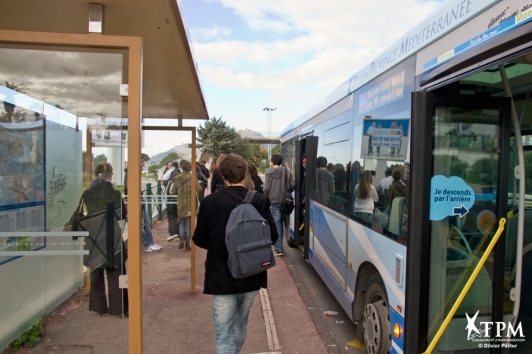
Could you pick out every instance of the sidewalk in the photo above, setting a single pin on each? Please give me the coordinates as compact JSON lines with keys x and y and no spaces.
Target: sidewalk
{"x":178,"y":321}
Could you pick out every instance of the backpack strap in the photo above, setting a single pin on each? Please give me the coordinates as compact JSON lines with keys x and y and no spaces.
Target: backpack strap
{"x":249,"y":197}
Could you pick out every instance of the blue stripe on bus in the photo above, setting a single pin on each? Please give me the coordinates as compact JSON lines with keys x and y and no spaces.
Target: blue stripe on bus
{"x":493,"y":32}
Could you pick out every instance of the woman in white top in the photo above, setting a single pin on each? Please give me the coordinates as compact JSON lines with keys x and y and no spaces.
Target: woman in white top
{"x":365,"y":196}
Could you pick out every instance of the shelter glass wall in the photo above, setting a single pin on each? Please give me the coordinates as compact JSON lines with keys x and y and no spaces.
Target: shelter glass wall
{"x":61,"y":115}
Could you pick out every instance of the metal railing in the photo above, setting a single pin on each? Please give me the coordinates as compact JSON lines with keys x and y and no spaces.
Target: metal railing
{"x":151,"y":200}
{"x":156,"y":200}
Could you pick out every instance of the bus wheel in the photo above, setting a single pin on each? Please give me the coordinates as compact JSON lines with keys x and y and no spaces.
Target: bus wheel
{"x":376,"y":323}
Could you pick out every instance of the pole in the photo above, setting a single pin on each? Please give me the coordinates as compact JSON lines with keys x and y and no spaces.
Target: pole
{"x":269,"y":118}
{"x":269,"y":123}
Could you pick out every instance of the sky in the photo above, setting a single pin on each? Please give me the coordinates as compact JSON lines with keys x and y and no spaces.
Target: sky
{"x":287,"y":54}
{"x":284,"y":54}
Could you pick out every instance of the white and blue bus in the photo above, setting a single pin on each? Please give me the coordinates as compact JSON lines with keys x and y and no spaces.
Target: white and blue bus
{"x":447,"y":111}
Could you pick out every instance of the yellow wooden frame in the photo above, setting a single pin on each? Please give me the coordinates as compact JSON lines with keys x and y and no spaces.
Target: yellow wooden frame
{"x":134,"y":114}
{"x":193,"y":181}
{"x":192,"y":196}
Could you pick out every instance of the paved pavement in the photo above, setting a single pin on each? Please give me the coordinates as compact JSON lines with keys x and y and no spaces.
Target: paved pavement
{"x":178,"y":321}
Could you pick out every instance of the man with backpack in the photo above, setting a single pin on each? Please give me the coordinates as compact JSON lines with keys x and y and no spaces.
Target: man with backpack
{"x":278,"y":184}
{"x":232,"y":298}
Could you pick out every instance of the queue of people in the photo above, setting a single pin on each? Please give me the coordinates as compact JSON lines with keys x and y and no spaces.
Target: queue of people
{"x":229,"y":183}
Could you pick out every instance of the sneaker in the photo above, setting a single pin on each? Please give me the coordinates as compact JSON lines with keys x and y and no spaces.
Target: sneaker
{"x":275,"y":253}
{"x":152,"y":248}
{"x":172,"y":237}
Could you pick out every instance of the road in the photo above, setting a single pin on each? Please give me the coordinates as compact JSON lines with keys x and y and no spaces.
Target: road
{"x":338,"y":332}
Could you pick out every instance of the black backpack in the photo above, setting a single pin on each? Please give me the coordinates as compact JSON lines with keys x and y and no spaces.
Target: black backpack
{"x":248,"y":240}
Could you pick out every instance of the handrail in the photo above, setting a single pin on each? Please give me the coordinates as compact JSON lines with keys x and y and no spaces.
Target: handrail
{"x":464,"y":291}
{"x":522,"y":182}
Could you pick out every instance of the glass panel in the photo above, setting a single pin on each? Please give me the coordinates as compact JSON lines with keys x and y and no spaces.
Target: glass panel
{"x":332,"y":176}
{"x":382,"y":151}
{"x":55,"y":144}
{"x":381,"y":146}
{"x":466,"y":148}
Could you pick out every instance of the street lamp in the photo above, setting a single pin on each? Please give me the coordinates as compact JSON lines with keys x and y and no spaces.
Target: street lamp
{"x":269,"y":110}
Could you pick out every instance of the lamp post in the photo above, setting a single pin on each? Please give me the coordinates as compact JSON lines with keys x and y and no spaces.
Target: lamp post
{"x":269,"y":110}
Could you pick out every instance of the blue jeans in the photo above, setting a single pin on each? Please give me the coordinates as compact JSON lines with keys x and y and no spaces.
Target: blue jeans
{"x":364,"y":216}
{"x":147,"y":237}
{"x":278,"y":218}
{"x":230,"y":316}
{"x":184,"y":227}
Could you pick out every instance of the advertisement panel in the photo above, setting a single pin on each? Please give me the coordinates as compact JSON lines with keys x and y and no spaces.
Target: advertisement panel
{"x":385,"y":139}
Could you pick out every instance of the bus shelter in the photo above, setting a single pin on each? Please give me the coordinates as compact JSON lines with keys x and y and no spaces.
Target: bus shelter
{"x":68,"y":67}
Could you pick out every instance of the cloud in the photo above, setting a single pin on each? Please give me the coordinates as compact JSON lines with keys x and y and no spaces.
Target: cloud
{"x":207,"y":33}
{"x":321,"y":44}
{"x":81,"y":82}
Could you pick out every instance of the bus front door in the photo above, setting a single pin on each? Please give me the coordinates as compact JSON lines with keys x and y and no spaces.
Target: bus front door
{"x":466,"y":193}
{"x":306,"y":151}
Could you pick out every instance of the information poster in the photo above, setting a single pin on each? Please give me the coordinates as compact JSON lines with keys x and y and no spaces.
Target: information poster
{"x":385,"y":139}
{"x":449,"y":196}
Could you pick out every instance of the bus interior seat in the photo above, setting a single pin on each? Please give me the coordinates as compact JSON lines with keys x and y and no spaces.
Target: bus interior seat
{"x":396,"y":216}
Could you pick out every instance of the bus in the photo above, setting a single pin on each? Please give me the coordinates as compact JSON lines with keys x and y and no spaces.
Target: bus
{"x":446,"y":113}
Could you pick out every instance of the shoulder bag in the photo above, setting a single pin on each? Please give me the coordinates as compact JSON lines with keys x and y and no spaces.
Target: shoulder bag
{"x":104,"y":242}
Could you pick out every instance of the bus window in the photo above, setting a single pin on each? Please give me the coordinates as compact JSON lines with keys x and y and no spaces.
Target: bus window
{"x":332,"y":177}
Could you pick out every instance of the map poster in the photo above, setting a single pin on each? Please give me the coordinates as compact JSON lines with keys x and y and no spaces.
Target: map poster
{"x":385,"y":139}
{"x":21,"y":163}
{"x":22,"y":181}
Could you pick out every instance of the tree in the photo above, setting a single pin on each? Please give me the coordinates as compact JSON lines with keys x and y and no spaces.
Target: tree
{"x":153,"y":168}
{"x":217,"y":138}
{"x":171,"y":157}
{"x":145,"y":157}
{"x":243,"y":148}
{"x":99,"y":158}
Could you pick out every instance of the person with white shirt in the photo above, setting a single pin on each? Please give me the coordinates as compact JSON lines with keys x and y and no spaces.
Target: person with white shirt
{"x":386,"y":182}
{"x":365,"y":197}
{"x":166,"y":175}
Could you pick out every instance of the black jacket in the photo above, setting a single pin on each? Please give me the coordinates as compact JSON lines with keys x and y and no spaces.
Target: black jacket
{"x":257,"y":182}
{"x":100,"y":192}
{"x":210,"y":234}
{"x":205,"y":171}
{"x":217,"y":182}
